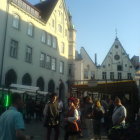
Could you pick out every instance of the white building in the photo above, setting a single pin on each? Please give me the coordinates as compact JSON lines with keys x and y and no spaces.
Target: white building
{"x":116,"y":65}
{"x":84,"y":67}
{"x":37,"y":43}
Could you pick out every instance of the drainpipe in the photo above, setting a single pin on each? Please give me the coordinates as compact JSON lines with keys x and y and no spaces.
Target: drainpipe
{"x":4,"y":43}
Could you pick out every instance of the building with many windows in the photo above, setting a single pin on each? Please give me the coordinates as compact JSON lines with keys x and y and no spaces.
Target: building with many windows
{"x":116,"y":65}
{"x":37,"y":44}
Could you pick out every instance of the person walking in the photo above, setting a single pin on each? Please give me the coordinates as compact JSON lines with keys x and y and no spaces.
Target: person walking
{"x":51,"y":114}
{"x":119,"y":113}
{"x":11,"y":121}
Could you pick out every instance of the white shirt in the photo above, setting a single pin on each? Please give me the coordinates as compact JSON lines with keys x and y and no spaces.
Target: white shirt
{"x":119,"y":112}
{"x":75,"y":117}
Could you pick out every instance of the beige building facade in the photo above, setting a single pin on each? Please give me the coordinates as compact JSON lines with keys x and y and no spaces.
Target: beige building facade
{"x":37,"y":43}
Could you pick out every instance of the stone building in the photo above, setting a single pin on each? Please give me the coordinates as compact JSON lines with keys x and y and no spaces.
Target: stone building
{"x":37,"y":44}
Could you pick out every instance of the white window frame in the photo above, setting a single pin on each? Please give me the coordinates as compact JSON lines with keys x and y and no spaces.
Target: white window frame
{"x":16,"y":20}
{"x":30,"y":29}
{"x":13,"y":48}
{"x":49,"y":40}
{"x":48,"y":62}
{"x":42,"y":60}
{"x":28,"y":55}
{"x":61,"y":67}
{"x":53,"y":64}
{"x":54,"y":42}
{"x":43,"y":37}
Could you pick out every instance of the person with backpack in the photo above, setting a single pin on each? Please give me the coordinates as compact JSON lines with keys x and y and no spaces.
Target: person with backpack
{"x":51,"y":120}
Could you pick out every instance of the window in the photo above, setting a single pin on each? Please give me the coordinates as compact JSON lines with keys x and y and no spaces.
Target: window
{"x":103,"y":66}
{"x":116,"y":46}
{"x":53,"y":23}
{"x":70,"y":69}
{"x":92,"y":75}
{"x":13,"y":48}
{"x":104,"y":75}
{"x":116,"y":57}
{"x":15,"y":22}
{"x":48,"y":62}
{"x":53,"y":64}
{"x":119,"y":68}
{"x":59,"y":28}
{"x":28,"y":57}
{"x":42,"y":60}
{"x":54,"y":42}
{"x":49,"y":40}
{"x":112,"y":75}
{"x":119,"y":76}
{"x":62,"y":47}
{"x":129,"y":76}
{"x":30,"y":29}
{"x":85,"y":74}
{"x":66,"y":32}
{"x":43,"y":37}
{"x":61,"y":67}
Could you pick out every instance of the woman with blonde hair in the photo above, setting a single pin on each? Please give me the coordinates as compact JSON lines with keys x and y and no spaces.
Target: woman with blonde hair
{"x":98,"y":113}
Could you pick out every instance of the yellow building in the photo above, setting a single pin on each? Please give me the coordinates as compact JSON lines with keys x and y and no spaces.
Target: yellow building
{"x":37,"y":44}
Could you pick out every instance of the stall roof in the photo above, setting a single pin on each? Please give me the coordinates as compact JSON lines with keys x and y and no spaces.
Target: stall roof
{"x":24,"y":87}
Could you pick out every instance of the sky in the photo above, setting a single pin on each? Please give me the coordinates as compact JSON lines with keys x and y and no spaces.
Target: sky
{"x":96,"y":22}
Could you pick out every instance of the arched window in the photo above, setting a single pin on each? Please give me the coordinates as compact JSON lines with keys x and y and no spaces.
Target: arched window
{"x":51,"y":86}
{"x":60,"y":28}
{"x":40,"y":83}
{"x":30,"y":29}
{"x":15,"y":22}
{"x":26,"y":79}
{"x":10,"y":78}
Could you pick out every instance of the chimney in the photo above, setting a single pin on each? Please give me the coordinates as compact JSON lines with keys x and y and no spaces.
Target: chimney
{"x":95,"y":59}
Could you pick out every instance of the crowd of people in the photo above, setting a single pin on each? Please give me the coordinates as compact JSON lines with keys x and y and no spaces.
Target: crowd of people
{"x":85,"y":117}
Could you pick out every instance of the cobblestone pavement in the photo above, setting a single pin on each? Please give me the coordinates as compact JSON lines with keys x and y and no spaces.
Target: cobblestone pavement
{"x":36,"y":129}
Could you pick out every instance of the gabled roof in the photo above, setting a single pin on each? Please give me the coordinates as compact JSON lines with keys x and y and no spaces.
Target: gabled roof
{"x":87,"y":55}
{"x":117,"y":42}
{"x":46,"y":8}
